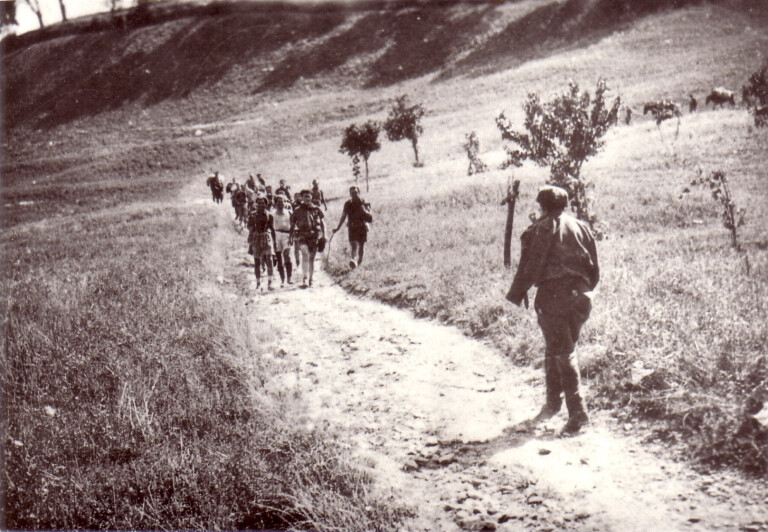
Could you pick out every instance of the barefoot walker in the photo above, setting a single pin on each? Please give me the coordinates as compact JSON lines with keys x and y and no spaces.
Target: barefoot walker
{"x":558,"y":255}
{"x":359,"y":213}
{"x":282,"y":217}
{"x":261,"y":237}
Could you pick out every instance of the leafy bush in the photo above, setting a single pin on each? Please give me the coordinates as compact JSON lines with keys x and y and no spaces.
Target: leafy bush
{"x":361,"y":142}
{"x":562,"y":134}
{"x":404,"y":122}
{"x":472,"y":147}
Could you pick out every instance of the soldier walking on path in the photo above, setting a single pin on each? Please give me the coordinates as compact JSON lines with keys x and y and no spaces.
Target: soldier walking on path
{"x":358,"y":213}
{"x":307,"y":232}
{"x":261,"y":237}
{"x":558,"y":255}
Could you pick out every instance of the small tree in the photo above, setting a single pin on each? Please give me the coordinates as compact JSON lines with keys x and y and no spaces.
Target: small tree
{"x":8,"y":13}
{"x":472,"y":147}
{"x":361,"y":142}
{"x":755,"y":90}
{"x":403,"y":122}
{"x":63,"y":10}
{"x":34,"y":5}
{"x":563,"y":133}
{"x":733,"y":218}
{"x":757,"y":86}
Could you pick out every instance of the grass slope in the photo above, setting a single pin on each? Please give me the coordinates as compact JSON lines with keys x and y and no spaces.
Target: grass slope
{"x":133,"y":393}
{"x":93,"y":239}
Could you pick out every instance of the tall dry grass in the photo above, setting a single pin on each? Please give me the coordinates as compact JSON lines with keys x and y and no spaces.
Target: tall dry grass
{"x":132,"y":393}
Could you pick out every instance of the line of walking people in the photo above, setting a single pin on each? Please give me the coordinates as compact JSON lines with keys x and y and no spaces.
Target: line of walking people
{"x":278,"y":224}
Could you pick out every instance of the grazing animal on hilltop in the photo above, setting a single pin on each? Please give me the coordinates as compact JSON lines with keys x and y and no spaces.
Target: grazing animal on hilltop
{"x":719,"y":96}
{"x":663,"y":110}
{"x":662,"y":105}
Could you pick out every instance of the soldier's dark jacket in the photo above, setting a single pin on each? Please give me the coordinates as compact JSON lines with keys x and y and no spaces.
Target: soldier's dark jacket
{"x":556,"y":247}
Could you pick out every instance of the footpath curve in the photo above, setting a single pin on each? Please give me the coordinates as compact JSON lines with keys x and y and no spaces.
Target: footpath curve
{"x":439,"y":419}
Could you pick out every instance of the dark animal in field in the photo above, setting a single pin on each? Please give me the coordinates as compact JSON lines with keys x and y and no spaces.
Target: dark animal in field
{"x":662,"y":105}
{"x":720,"y":96}
{"x":216,"y":186}
{"x":761,"y":116}
{"x":663,"y":110}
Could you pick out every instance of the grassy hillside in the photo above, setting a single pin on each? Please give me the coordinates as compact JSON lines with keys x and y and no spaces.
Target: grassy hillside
{"x":104,"y":130}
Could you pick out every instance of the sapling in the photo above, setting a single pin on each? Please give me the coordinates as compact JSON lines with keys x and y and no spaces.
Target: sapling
{"x":472,"y":147}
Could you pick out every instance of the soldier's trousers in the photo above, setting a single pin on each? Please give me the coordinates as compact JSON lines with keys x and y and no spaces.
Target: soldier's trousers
{"x":562,"y":309}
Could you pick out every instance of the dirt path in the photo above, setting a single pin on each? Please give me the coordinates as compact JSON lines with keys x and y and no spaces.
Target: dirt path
{"x":439,"y":419}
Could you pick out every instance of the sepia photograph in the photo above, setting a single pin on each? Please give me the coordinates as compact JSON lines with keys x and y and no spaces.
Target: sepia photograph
{"x":384,"y":265}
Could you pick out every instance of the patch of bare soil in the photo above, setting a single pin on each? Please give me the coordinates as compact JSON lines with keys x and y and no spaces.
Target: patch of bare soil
{"x":441,"y":420}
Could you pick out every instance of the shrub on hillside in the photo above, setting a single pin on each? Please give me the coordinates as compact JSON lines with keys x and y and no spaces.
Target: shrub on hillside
{"x":562,"y":134}
{"x":361,"y":142}
{"x":472,"y":147}
{"x":404,"y":122}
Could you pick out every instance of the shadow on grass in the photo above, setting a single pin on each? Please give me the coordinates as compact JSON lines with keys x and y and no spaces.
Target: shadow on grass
{"x":554,"y":26}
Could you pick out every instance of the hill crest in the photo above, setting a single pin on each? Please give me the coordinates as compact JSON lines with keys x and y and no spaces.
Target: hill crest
{"x":250,"y":49}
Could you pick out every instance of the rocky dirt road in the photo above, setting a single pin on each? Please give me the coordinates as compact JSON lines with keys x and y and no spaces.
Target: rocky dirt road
{"x":440,"y":419}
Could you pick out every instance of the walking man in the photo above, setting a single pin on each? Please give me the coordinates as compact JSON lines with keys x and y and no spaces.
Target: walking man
{"x":261,"y":237}
{"x":358,"y":212}
{"x":284,"y":189}
{"x":307,"y":230}
{"x":317,"y":195}
{"x":216,"y":186}
{"x":282,"y":217}
{"x":558,"y":255}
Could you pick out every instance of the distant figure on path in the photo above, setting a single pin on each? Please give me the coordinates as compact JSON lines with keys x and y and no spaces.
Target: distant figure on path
{"x":317,"y":195}
{"x":284,"y":189}
{"x":216,"y":186}
{"x":692,"y":104}
{"x":358,"y":212}
{"x":558,"y":255}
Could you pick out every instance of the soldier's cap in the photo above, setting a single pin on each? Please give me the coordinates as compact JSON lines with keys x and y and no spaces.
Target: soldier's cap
{"x":281,"y":197}
{"x":552,"y":198}
{"x":305,"y":192}
{"x":261,"y":197}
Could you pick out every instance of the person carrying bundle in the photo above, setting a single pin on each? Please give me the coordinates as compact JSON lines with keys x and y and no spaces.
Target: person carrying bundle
{"x":357,"y":212}
{"x":308,"y":233}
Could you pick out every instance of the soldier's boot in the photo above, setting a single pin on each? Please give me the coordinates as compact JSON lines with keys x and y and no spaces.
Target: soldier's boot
{"x":288,"y":271}
{"x":548,"y":411}
{"x":577,"y":415}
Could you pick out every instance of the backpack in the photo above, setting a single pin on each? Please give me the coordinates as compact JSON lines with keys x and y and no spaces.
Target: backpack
{"x":307,"y":220}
